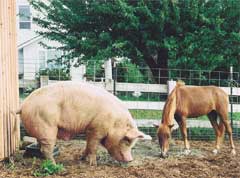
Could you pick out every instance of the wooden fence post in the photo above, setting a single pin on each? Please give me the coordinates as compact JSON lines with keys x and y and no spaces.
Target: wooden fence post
{"x":44,"y":80}
{"x":9,"y":95}
{"x":171,"y":85}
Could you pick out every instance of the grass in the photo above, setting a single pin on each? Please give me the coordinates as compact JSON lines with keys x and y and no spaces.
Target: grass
{"x":146,"y":114}
{"x":157,"y":114}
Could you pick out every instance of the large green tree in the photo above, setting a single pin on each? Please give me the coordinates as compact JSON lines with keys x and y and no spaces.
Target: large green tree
{"x":186,"y":34}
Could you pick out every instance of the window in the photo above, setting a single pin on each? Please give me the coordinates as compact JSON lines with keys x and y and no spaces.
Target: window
{"x":24,"y":17}
{"x":20,"y":63}
{"x":42,"y":59}
{"x":52,"y":56}
{"x":48,"y":59}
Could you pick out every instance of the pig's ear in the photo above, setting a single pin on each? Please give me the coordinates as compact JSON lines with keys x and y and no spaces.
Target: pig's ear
{"x":133,"y":134}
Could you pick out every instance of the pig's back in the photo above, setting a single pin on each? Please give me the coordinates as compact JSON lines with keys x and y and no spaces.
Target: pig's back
{"x":70,"y":105}
{"x":71,"y":92}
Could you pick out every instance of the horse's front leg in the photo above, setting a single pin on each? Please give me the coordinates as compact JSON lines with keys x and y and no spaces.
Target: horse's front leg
{"x":183,"y":128}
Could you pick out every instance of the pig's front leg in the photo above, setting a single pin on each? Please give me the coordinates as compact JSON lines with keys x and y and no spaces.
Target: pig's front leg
{"x":93,"y":139}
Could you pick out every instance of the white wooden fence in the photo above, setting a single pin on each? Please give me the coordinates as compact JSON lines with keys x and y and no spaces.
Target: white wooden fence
{"x":150,"y":88}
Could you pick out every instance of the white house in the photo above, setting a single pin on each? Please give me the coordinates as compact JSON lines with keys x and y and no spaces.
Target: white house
{"x":32,"y":56}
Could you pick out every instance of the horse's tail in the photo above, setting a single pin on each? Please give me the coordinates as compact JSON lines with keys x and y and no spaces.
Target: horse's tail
{"x":16,"y":119}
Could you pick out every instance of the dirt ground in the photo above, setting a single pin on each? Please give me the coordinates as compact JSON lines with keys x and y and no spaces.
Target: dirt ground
{"x":201,"y":163}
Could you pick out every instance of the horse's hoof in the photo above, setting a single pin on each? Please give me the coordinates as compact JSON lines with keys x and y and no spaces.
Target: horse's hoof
{"x":215,"y":151}
{"x":187,"y":151}
{"x":164,"y":155}
{"x":233,"y":152}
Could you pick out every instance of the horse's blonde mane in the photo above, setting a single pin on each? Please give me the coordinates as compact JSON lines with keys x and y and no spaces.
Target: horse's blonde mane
{"x":170,"y":105}
{"x":180,"y":83}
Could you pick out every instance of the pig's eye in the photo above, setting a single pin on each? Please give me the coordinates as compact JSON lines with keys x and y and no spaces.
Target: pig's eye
{"x":103,"y":141}
{"x":126,"y":139}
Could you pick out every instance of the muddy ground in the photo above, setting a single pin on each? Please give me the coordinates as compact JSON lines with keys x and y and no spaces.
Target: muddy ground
{"x":201,"y":163}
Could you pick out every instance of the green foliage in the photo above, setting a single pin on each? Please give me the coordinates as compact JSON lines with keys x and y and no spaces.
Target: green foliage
{"x":55,"y":73}
{"x":94,"y":69}
{"x":48,"y":168}
{"x":189,"y":34}
{"x":128,"y":72}
{"x":28,"y":90}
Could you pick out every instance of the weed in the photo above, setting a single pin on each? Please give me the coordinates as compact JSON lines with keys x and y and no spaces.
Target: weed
{"x":48,"y":168}
{"x":10,"y":164}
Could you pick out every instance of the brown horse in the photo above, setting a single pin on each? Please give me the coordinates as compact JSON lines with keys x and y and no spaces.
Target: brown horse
{"x":193,"y":101}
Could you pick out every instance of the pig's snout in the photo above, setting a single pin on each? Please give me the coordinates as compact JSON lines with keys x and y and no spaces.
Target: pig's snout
{"x":127,"y":158}
{"x":123,"y":157}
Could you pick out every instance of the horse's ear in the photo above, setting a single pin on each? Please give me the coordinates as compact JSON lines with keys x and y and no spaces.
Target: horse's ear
{"x":155,"y":125}
{"x":171,"y":126}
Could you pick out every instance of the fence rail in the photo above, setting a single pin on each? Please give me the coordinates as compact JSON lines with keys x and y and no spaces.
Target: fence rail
{"x":149,"y":88}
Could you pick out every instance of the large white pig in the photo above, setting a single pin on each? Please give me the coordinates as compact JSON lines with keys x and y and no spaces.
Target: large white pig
{"x":65,"y":109}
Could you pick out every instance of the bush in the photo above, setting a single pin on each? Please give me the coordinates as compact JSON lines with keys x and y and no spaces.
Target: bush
{"x":55,"y":74}
{"x":128,"y":72}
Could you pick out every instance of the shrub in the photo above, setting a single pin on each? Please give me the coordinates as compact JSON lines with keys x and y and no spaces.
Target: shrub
{"x":55,"y":74}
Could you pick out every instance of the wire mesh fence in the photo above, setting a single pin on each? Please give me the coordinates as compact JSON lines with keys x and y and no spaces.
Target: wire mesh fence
{"x":142,"y":92}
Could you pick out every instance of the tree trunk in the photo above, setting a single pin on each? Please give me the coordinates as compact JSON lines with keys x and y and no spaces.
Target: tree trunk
{"x":163,"y":65}
{"x":159,"y":66}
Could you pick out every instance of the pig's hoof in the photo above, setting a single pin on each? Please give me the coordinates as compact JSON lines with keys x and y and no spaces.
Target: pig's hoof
{"x":92,"y":160}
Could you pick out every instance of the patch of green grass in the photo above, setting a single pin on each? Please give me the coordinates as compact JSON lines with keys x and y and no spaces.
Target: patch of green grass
{"x":157,"y":114}
{"x":48,"y":168}
{"x":236,"y":116}
{"x":146,"y":114}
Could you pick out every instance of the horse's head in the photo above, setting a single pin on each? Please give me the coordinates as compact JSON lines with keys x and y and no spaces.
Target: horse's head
{"x":164,"y":134}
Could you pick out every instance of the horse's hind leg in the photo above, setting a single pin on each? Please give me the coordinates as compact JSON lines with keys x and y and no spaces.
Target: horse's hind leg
{"x":224,"y":119}
{"x":218,"y":128}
